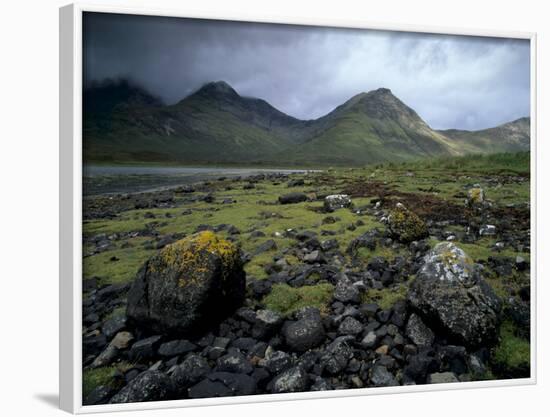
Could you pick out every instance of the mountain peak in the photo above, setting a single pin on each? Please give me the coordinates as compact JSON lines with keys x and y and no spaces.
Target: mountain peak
{"x":217,"y":88}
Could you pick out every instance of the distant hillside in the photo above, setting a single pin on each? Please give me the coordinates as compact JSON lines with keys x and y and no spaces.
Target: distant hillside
{"x":124,"y":123}
{"x":509,"y":137}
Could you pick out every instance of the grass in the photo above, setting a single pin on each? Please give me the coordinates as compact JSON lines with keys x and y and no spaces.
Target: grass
{"x":287,"y":300}
{"x":114,"y":272}
{"x":512,"y":352}
{"x":386,"y":297}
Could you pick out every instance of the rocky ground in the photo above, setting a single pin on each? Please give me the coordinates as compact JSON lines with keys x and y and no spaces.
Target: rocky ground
{"x":339,"y":279}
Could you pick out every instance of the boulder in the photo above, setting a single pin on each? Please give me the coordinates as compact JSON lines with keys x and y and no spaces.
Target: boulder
{"x":406,"y":225}
{"x":147,"y":386}
{"x":306,"y":333}
{"x":336,"y":201}
{"x":449,"y":293}
{"x":292,"y":198}
{"x":187,"y":284}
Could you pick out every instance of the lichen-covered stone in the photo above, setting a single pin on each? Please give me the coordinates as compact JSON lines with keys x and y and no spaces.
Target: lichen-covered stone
{"x":406,"y":225}
{"x":476,"y":195}
{"x":450,"y":294}
{"x":188,"y":283}
{"x":337,"y":201}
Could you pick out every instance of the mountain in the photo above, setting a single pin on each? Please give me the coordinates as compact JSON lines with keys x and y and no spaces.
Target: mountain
{"x":509,"y":137}
{"x":125,"y":123}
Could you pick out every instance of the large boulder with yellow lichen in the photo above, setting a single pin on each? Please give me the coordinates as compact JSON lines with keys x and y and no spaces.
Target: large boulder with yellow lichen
{"x":450,"y":295}
{"x":187,"y":285}
{"x":406,"y":225}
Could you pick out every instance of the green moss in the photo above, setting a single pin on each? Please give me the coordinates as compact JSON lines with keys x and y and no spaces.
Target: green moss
{"x":512,"y":352}
{"x":92,"y":378}
{"x":386,"y":297}
{"x":286,"y":300}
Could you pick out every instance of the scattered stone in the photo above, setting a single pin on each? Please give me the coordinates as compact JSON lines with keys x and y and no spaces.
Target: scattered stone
{"x":234,"y":362}
{"x":292,"y":380}
{"x":176,"y":347}
{"x":145,"y":348}
{"x":381,"y":377}
{"x":223,"y":384}
{"x":292,"y":198}
{"x":406,"y":225}
{"x":418,"y":332}
{"x":442,"y":378}
{"x":476,"y":196}
{"x":265,"y":247}
{"x":337,"y":201}
{"x":305,"y":333}
{"x":147,"y":386}
{"x":350,"y":326}
{"x":488,"y":230}
{"x":190,"y":371}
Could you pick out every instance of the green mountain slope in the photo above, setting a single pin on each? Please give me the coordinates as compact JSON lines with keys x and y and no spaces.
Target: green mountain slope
{"x":124,"y":123}
{"x":509,"y":137}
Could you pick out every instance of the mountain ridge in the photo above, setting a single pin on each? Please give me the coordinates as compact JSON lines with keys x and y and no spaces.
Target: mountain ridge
{"x":215,"y":124}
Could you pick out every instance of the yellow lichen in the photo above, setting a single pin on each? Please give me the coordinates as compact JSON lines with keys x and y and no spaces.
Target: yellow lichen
{"x":189,"y":256}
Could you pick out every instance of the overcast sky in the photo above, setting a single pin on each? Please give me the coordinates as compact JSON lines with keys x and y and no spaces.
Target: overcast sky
{"x":451,"y":81}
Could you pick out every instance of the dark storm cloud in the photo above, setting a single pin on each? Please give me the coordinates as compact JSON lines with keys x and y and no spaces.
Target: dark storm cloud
{"x":451,"y":81}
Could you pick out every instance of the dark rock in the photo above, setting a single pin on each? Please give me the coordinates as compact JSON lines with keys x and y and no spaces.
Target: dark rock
{"x":223,"y":384}
{"x":350,"y":326}
{"x":145,"y":348}
{"x":305,"y":333}
{"x":190,"y":371}
{"x":449,"y":291}
{"x":260,"y":288}
{"x":176,"y":347}
{"x":187,"y":284}
{"x":266,"y":324}
{"x":148,"y":386}
{"x":345,"y":291}
{"x":292,"y":198}
{"x":234,"y":362}
{"x":370,"y":340}
{"x":418,"y":332}
{"x":277,"y":362}
{"x":381,"y":377}
{"x":337,"y":355}
{"x":113,"y":326}
{"x":266,"y":246}
{"x":418,"y":366}
{"x":100,"y":395}
{"x":292,"y":380}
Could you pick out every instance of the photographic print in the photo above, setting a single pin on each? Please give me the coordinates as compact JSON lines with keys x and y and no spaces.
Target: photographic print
{"x":278,"y":208}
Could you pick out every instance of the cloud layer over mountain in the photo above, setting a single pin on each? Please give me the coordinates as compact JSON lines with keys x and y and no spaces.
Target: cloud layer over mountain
{"x":451,"y":81}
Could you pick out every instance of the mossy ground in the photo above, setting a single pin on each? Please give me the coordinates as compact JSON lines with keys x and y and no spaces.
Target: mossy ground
{"x":287,"y":300}
{"x":92,"y":378}
{"x":513,"y":352}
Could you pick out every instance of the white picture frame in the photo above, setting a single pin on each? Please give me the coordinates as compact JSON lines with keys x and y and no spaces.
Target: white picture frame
{"x":70,"y":152}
